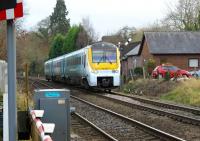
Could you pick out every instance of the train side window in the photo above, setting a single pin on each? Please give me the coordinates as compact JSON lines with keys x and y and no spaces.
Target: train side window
{"x":84,"y":60}
{"x":79,"y":60}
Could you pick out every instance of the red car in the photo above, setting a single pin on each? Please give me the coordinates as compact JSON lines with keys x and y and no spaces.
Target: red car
{"x":160,"y":71}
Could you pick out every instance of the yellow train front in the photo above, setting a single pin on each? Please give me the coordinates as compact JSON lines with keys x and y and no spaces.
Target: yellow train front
{"x":103,"y":69}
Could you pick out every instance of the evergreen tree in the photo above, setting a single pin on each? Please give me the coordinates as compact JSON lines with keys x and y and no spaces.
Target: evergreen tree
{"x":57,"y":45}
{"x":58,"y":20}
{"x":70,"y":41}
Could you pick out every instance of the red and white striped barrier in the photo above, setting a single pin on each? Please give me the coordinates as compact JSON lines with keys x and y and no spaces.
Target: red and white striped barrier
{"x":39,"y":124}
{"x":12,"y":13}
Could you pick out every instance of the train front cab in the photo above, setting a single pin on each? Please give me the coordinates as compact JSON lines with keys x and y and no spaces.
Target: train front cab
{"x":104,"y":65}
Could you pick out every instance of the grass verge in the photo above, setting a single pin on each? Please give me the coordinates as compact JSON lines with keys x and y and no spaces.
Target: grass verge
{"x":187,"y":92}
{"x":149,"y":87}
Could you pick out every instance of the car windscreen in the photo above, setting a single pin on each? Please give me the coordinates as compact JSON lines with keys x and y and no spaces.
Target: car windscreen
{"x":104,"y":54}
{"x":171,"y":68}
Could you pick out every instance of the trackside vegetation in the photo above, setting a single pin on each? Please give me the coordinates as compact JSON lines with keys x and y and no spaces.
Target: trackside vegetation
{"x":187,"y":92}
{"x":149,"y":87}
{"x":183,"y":92}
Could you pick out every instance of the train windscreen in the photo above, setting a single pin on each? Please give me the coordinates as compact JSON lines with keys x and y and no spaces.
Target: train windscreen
{"x":104,"y":55}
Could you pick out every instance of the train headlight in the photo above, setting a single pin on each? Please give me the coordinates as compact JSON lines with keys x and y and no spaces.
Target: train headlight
{"x":94,"y":71}
{"x":115,"y":71}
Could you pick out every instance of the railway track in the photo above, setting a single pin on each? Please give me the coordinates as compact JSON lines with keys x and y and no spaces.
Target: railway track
{"x":37,"y":84}
{"x":120,"y":126}
{"x":175,"y":113}
{"x":82,"y":128}
{"x":178,"y":112}
{"x":193,"y":110}
{"x":153,"y":112}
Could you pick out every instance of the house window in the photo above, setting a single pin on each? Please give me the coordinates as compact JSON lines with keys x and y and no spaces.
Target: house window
{"x":193,"y":63}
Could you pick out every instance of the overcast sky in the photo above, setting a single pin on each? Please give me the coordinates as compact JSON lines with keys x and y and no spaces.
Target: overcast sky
{"x":107,"y":16}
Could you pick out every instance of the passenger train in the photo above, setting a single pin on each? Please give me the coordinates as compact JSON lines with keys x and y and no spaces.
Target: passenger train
{"x":96,"y":65}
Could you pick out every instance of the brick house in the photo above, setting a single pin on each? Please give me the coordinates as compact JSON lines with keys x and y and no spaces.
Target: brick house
{"x":129,"y":59}
{"x":181,"y":49}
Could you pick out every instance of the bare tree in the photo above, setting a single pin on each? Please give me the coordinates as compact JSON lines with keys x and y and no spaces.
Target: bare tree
{"x":185,"y":16}
{"x":83,"y":39}
{"x":88,"y":27}
{"x":126,"y":32}
{"x":43,"y":29}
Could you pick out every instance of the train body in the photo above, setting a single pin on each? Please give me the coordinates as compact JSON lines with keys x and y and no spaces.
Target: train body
{"x":97,"y":65}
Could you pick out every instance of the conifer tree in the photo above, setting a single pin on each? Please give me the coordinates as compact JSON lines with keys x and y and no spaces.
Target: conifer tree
{"x":59,"y":23}
{"x":70,"y":40}
{"x":57,"y":45}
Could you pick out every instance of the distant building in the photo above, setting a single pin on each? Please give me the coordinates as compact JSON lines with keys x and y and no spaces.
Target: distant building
{"x":129,"y":59}
{"x":181,"y":49}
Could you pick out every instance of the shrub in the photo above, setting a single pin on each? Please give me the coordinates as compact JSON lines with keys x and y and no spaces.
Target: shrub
{"x":138,"y":71}
{"x":167,"y":76}
{"x":151,"y":64}
{"x":149,"y":87}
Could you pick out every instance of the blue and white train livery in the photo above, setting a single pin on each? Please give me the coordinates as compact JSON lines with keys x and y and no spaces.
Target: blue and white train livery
{"x":96,"y":65}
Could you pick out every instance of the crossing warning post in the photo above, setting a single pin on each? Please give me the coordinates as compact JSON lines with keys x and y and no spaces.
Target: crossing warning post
{"x":10,"y":10}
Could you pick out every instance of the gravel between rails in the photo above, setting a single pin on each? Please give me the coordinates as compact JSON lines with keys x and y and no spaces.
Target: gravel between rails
{"x":81,"y":131}
{"x":115,"y":126}
{"x":185,"y":131}
{"x":166,"y":124}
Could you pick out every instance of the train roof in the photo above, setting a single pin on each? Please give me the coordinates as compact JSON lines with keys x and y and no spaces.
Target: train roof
{"x":98,"y":44}
{"x":103,"y":44}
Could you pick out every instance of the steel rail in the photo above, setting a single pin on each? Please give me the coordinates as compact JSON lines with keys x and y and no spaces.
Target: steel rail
{"x":175,"y":116}
{"x":85,"y":120}
{"x":147,"y":128}
{"x":41,"y":83}
{"x":162,"y":104}
{"x":96,"y":127}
